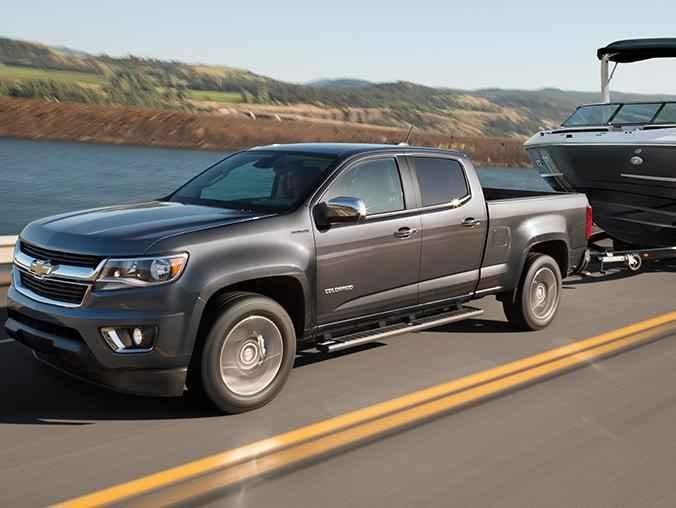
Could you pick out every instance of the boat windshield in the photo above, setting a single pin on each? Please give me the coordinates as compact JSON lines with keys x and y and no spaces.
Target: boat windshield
{"x":636,"y":113}
{"x":623,"y":114}
{"x":668,"y":113}
{"x":598,"y":114}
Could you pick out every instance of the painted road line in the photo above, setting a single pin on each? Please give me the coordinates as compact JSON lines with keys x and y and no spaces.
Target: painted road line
{"x":5,"y":341}
{"x":259,"y":452}
{"x":313,"y":450}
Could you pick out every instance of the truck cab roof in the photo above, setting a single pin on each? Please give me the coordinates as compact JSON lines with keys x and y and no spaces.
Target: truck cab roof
{"x":344,"y":150}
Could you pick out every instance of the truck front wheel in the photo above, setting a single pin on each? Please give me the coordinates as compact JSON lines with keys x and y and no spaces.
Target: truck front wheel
{"x":247,"y":354}
{"x":537,"y":297}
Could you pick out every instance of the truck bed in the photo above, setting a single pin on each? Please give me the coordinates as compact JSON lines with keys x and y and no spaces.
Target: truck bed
{"x":515,"y":219}
{"x":496,"y":194}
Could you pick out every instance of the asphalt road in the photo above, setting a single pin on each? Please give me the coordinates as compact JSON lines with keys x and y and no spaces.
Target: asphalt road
{"x":598,"y":436}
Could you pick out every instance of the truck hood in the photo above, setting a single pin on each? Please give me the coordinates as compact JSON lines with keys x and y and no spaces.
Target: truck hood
{"x":127,"y":229}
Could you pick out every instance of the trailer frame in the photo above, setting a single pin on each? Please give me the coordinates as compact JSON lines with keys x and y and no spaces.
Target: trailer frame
{"x":634,"y":259}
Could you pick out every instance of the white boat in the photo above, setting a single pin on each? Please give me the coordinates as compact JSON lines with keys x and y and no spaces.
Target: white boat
{"x":622,"y":155}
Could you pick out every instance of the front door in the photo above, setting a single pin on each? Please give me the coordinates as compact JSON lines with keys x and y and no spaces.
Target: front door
{"x":372,"y":266}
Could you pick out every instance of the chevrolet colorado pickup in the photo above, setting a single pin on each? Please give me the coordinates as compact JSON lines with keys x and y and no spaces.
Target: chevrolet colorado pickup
{"x":214,"y":288}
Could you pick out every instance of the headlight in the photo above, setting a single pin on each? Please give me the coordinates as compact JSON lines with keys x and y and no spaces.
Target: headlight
{"x":141,"y":272}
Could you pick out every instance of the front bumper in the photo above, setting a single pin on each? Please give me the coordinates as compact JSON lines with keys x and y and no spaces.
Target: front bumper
{"x":70,"y":340}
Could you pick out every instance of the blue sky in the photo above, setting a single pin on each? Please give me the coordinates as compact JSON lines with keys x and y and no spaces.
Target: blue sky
{"x":517,"y":44}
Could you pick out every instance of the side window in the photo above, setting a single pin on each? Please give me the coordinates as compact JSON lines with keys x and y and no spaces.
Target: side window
{"x":376,"y":182}
{"x":441,"y":180}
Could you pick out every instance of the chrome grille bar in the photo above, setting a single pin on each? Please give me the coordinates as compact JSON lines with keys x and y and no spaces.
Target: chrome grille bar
{"x":63,"y":286}
{"x":78,"y":273}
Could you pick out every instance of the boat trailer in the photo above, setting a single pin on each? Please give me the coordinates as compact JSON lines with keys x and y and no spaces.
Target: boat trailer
{"x":634,"y":259}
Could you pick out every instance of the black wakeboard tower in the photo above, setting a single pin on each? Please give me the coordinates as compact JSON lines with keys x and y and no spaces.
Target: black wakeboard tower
{"x":629,"y":51}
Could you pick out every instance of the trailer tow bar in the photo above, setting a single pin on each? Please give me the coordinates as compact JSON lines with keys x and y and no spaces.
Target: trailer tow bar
{"x":633,"y":260}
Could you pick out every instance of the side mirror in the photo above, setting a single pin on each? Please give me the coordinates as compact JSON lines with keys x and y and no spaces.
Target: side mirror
{"x":341,"y":210}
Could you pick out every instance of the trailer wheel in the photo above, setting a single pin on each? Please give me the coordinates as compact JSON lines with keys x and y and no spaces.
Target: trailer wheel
{"x":538,"y":295}
{"x":247,"y":354}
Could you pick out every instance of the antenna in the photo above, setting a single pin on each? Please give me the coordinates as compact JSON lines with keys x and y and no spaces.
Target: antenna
{"x":408,"y":136}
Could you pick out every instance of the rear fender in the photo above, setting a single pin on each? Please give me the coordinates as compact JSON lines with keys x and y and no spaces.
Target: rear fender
{"x":532,"y":246}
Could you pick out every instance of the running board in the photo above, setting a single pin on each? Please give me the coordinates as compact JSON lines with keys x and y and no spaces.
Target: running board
{"x":349,"y":341}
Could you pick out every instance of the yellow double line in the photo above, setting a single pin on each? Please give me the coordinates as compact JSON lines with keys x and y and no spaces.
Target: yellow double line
{"x":228,"y":468}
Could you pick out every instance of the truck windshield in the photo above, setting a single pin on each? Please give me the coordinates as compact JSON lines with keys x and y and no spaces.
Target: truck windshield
{"x":259,"y":181}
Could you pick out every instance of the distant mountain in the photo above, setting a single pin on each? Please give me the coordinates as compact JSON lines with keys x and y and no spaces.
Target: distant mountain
{"x":30,"y":54}
{"x":340,"y":83}
{"x":69,"y":51}
{"x":220,"y":89}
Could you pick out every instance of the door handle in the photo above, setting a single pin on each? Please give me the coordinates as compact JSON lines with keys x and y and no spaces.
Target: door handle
{"x":470,"y":222}
{"x":405,"y":232}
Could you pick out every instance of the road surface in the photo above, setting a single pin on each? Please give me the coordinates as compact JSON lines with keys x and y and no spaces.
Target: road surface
{"x":597,"y":436}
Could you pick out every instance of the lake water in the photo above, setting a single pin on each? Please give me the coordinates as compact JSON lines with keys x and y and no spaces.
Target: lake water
{"x":40,"y":178}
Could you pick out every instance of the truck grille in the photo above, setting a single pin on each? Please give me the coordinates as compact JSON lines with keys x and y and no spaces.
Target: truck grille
{"x":60,"y":258}
{"x":57,"y":290}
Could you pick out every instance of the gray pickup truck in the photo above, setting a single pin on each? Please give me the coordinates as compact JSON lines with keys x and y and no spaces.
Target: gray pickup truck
{"x":214,"y":288}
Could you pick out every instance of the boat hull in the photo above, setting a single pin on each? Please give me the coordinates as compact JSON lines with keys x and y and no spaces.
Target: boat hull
{"x":632,"y":188}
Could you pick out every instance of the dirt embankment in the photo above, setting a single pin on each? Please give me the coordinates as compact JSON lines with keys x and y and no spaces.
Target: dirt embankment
{"x":122,"y":125}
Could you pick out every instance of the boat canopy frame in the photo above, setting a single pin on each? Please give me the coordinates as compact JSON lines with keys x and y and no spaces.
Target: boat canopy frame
{"x":629,"y":51}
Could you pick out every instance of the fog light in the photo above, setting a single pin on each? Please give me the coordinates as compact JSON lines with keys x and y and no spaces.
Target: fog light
{"x":137,"y":335}
{"x":132,"y":339}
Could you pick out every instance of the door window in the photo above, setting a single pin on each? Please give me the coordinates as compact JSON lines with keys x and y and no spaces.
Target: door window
{"x":441,"y":181}
{"x":376,"y":182}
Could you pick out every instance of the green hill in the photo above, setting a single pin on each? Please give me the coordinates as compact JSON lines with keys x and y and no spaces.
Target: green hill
{"x":37,"y":71}
{"x":339,"y":83}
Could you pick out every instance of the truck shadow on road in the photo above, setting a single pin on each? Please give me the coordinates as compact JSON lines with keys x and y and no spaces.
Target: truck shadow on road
{"x":311,"y":357}
{"x":36,"y":394}
{"x":476,"y":326}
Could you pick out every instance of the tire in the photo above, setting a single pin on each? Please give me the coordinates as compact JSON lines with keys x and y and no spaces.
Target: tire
{"x":538,"y":295}
{"x":246,"y":356}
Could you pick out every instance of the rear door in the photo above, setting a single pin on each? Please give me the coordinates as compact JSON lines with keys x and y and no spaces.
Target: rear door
{"x":372,"y":266}
{"x":454,"y":225}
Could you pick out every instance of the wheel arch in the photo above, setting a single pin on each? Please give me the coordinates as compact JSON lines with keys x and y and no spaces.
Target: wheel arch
{"x":288,"y":289}
{"x":555,"y":246}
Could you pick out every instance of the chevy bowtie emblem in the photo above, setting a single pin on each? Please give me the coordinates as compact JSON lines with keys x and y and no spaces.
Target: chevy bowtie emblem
{"x":42,"y":268}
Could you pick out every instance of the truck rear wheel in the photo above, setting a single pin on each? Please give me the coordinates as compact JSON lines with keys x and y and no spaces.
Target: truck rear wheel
{"x":538,"y":296}
{"x":246,"y":356}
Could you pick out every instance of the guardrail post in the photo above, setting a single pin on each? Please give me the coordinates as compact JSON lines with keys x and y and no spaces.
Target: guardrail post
{"x":7,"y":249}
{"x":6,"y":254}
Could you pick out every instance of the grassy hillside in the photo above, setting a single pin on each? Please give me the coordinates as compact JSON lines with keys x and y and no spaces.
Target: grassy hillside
{"x":339,"y":83}
{"x":32,"y":70}
{"x":16,"y":73}
{"x":118,"y":124}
